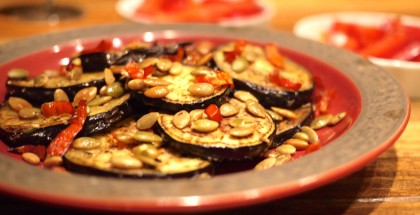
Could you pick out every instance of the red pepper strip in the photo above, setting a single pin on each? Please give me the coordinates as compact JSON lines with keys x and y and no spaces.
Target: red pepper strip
{"x":214,"y":113}
{"x":148,"y":70}
{"x":274,"y":77}
{"x":39,"y":150}
{"x":57,"y":108}
{"x":180,"y":53}
{"x":103,"y":46}
{"x":217,"y":79}
{"x":322,"y":101}
{"x":63,"y":140}
{"x":274,"y":56}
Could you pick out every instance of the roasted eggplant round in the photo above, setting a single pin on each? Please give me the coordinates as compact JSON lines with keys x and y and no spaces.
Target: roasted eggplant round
{"x":41,"y":130}
{"x":240,"y":136}
{"x":252,"y":71}
{"x":106,"y":155}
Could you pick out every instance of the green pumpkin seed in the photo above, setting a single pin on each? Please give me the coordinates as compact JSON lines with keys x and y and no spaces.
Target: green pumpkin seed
{"x":115,"y":90}
{"x":147,"y":121}
{"x":147,"y":137}
{"x":204,"y":125}
{"x":86,"y":143}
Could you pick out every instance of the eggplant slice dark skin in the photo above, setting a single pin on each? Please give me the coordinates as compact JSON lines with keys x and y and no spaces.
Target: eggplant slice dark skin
{"x":41,"y":131}
{"x":287,"y":128}
{"x":253,"y":76}
{"x":220,"y":145}
{"x":37,"y":95}
{"x":99,"y":161}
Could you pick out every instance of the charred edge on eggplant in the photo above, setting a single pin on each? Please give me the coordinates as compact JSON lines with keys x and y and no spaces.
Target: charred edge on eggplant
{"x":287,"y":128}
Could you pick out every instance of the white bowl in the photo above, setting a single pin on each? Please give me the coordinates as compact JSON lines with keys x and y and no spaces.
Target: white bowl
{"x":408,"y":73}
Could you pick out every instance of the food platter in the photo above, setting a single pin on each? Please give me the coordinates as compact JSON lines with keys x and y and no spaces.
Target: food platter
{"x":377,"y":116}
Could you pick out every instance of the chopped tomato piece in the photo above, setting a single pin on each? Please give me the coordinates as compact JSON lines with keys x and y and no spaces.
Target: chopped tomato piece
{"x":134,"y":70}
{"x":217,"y":79}
{"x":274,"y":77}
{"x":63,"y":140}
{"x":148,"y":70}
{"x":55,"y":108}
{"x":214,"y":113}
{"x":274,"y":56}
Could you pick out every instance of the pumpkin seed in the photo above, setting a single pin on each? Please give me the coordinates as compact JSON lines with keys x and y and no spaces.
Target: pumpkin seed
{"x":255,"y":108}
{"x":153,"y":82}
{"x":227,"y":110}
{"x":196,"y":114}
{"x":244,"y":96}
{"x":29,"y":113}
{"x":176,"y":68}
{"x":74,"y":74}
{"x":266,"y":163}
{"x":147,"y":62}
{"x":286,"y":149}
{"x":204,"y":125}
{"x":87,"y":94}
{"x":337,"y":118}
{"x":157,"y":92}
{"x":242,"y":122}
{"x":147,"y":137}
{"x":275,"y":116}
{"x":164,"y":64}
{"x":321,"y":121}
{"x":125,"y":162}
{"x":125,"y":138}
{"x":147,"y":120}
{"x":241,"y":131}
{"x":60,"y":95}
{"x":204,"y":47}
{"x":285,"y":112}
{"x":201,"y":89}
{"x":297,"y":143}
{"x":282,"y":158}
{"x":18,"y":104}
{"x":147,"y":150}
{"x":16,"y":74}
{"x":109,"y":76}
{"x":201,"y":70}
{"x":115,"y":90}
{"x":146,"y":160}
{"x":86,"y":143}
{"x":99,"y":100}
{"x":181,"y":119}
{"x":240,"y":64}
{"x":103,"y":90}
{"x":53,"y":161}
{"x":313,"y":136}
{"x":31,"y":158}
{"x":40,"y":80}
{"x":135,"y":84}
{"x":302,"y":136}
{"x":272,"y":154}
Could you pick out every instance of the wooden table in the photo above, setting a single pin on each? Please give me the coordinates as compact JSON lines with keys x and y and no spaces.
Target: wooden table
{"x":389,"y":185}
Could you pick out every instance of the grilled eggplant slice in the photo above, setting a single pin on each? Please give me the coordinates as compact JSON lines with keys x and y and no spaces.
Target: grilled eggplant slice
{"x":36,"y":95}
{"x":251,"y":70}
{"x":15,"y":131}
{"x":288,"y":127}
{"x":144,"y":160}
{"x":222,"y":143}
{"x":179,"y":97}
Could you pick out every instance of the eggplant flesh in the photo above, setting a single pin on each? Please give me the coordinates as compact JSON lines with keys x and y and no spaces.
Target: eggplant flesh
{"x":38,"y":95}
{"x":100,"y":160}
{"x":220,"y":145}
{"x":41,"y":131}
{"x":288,"y":127}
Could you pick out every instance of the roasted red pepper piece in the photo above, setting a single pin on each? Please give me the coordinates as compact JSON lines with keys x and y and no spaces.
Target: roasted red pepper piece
{"x":180,"y":53}
{"x":273,"y":55}
{"x":39,"y":150}
{"x":322,"y":97}
{"x":274,"y":77}
{"x":63,"y":140}
{"x":133,"y":70}
{"x":239,"y":46}
{"x":55,"y":108}
{"x":214,"y":113}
